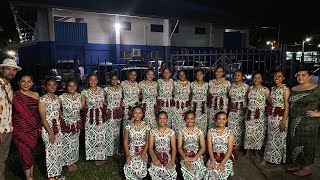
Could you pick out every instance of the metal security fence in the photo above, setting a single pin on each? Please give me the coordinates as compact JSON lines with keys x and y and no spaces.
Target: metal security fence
{"x":248,"y":60}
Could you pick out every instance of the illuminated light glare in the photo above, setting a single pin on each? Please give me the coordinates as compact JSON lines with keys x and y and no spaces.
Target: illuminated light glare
{"x":308,"y":39}
{"x":11,"y":53}
{"x":268,"y":42}
{"x":117,"y":26}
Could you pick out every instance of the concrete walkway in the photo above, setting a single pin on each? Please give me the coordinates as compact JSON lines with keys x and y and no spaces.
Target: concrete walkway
{"x":249,"y":169}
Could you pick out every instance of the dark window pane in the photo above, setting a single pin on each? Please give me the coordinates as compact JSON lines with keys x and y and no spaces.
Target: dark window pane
{"x":199,"y":30}
{"x":126,"y":26}
{"x":156,"y":28}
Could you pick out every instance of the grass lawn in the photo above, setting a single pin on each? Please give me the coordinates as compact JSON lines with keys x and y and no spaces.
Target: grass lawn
{"x":86,"y":169}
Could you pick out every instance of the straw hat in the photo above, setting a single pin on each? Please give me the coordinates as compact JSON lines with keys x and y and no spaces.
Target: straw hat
{"x":10,"y":63}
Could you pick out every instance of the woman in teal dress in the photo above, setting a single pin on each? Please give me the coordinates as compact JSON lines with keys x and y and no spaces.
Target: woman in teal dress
{"x":303,"y":124}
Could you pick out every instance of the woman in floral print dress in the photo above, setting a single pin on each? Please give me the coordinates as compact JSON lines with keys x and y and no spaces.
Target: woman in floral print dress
{"x":70,"y":125}
{"x":275,"y":151}
{"x":181,"y":101}
{"x":93,"y":99}
{"x":130,"y":95}
{"x":237,"y":107}
{"x":220,"y":145}
{"x":199,"y":90}
{"x":135,"y":143}
{"x":218,"y":95}
{"x":116,"y":111}
{"x":49,"y":110}
{"x":165,"y":90}
{"x":149,"y":96}
{"x":255,"y":124}
{"x":162,"y":149}
{"x":191,"y":146}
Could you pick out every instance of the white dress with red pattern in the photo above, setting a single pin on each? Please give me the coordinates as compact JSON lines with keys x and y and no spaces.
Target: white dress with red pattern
{"x":162,"y":150}
{"x":237,"y":107}
{"x":181,"y":104}
{"x":149,"y":97}
{"x":255,"y":123}
{"x":199,"y":104}
{"x":218,"y":99}
{"x":275,"y":151}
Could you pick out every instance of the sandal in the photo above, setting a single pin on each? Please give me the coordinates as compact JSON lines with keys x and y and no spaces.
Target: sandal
{"x":301,"y":174}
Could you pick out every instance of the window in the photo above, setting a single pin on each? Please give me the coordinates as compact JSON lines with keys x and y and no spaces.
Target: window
{"x":176,"y":30}
{"x":68,"y":19}
{"x":156,"y":28}
{"x":126,"y":26}
{"x":199,"y":30}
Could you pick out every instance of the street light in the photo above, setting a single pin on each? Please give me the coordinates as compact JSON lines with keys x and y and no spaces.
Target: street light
{"x":306,"y":40}
{"x":302,"y":50}
{"x":272,"y":43}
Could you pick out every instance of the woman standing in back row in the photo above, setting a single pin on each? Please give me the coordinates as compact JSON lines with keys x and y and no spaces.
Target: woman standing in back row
{"x":93,"y":100}
{"x":70,"y":125}
{"x":114,"y":100}
{"x":237,"y":107}
{"x":130,"y":95}
{"x":218,"y":95}
{"x":165,"y":90}
{"x":149,"y":94}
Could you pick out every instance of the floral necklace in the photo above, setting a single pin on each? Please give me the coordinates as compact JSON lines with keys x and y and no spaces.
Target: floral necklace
{"x":137,"y":126}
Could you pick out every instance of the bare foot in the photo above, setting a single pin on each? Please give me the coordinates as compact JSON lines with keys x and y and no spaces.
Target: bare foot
{"x":72,"y":167}
{"x":294,"y":168}
{"x":99,"y":163}
{"x":302,"y":173}
{"x":263,"y":163}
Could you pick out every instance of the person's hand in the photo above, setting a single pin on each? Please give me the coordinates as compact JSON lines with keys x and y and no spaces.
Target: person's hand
{"x":221,"y":166}
{"x":314,"y":113}
{"x":128,"y":159}
{"x":212,"y":165}
{"x":52,"y":138}
{"x":156,"y":162}
{"x":170,"y":165}
{"x":188,"y":164}
{"x":282,"y":126}
{"x":144,"y":157}
{"x":193,"y":159}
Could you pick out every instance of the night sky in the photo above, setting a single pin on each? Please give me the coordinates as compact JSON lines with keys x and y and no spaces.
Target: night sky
{"x":296,"y":20}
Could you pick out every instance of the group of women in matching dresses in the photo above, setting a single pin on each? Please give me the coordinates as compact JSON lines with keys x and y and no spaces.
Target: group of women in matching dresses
{"x":103,"y":111}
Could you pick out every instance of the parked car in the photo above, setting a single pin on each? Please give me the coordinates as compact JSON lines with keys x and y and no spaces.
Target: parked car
{"x":190,"y":67}
{"x":138,"y":65}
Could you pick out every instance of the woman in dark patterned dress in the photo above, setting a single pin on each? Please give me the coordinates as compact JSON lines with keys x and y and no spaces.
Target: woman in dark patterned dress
{"x":26,"y":129}
{"x":303,"y":123}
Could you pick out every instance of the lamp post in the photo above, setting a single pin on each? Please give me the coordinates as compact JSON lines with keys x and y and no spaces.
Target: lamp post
{"x":117,"y":27}
{"x":302,"y":49}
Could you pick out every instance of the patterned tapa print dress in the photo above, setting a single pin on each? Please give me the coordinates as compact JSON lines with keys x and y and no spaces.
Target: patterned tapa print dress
{"x":165,"y":91}
{"x":220,"y":141}
{"x":180,"y":104}
{"x":217,"y":100}
{"x":114,"y":100}
{"x":191,"y":145}
{"x":95,"y":125}
{"x":70,"y":127}
{"x":237,"y":107}
{"x":199,"y":104}
{"x":149,"y":97}
{"x":137,"y":169}
{"x":275,"y":151}
{"x":255,"y":123}
{"x":303,"y":130}
{"x":162,"y":150}
{"x":53,"y":151}
{"x":130,"y":94}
